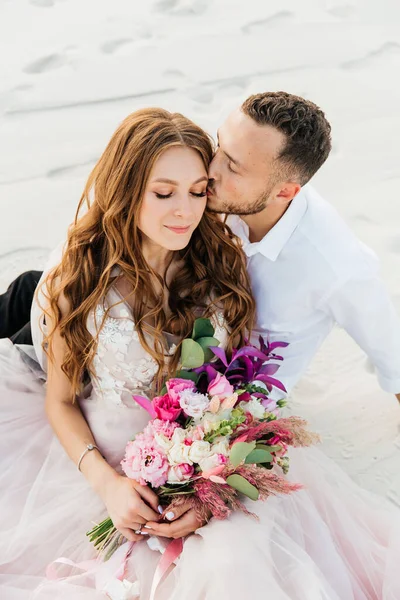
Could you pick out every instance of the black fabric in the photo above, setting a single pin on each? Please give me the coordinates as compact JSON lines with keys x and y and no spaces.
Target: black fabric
{"x":15,"y":308}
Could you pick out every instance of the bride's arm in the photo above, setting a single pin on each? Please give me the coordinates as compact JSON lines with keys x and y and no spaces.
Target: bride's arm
{"x":128,"y":502}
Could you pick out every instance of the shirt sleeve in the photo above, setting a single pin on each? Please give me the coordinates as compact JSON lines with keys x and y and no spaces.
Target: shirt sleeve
{"x":362,"y":306}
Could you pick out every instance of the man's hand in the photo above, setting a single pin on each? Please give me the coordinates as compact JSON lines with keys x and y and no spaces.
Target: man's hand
{"x":183,"y":521}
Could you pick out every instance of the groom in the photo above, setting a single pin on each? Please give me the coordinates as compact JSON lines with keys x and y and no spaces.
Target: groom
{"x":308,"y":270}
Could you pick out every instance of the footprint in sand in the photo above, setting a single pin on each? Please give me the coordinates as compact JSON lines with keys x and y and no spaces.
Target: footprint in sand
{"x":342,"y":11}
{"x":111,"y":46}
{"x":202,"y":96}
{"x":44,"y":3}
{"x":45,"y":63}
{"x":378,"y":56}
{"x":23,"y":87}
{"x":182,"y":7}
{"x":174,"y":74}
{"x":361,"y":219}
{"x":234,"y":86}
{"x":347,"y":451}
{"x":260,"y":26}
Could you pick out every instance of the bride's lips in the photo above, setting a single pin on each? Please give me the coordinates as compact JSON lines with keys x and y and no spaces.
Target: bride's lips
{"x":178,"y":229}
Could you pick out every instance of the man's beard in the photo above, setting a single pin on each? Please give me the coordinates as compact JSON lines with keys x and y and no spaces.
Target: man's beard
{"x":254,"y":208}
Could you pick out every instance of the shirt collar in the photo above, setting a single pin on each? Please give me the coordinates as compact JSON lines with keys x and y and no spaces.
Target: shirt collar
{"x":274,"y":241}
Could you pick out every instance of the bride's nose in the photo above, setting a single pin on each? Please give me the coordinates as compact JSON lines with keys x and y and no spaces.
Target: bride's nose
{"x":183,"y":207}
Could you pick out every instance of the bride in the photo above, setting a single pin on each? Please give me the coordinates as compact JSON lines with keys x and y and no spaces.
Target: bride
{"x":139,"y":265}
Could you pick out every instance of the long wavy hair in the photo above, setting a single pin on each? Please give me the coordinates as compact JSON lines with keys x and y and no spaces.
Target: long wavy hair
{"x":213,"y":275}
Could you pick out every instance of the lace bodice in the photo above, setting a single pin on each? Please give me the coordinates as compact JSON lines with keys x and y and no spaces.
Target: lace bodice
{"x":121,"y":365}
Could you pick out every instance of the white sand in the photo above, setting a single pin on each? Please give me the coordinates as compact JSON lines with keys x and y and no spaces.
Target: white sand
{"x":72,"y":69}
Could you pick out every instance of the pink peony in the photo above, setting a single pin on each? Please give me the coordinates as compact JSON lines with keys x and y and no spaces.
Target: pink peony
{"x":145,"y":462}
{"x":159,"y":426}
{"x":181,"y":472}
{"x":220,"y":386}
{"x":167,"y":408}
{"x":175,"y":386}
{"x":197,"y":434}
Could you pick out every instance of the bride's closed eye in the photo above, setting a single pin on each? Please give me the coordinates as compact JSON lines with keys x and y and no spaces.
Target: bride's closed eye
{"x":165,"y":196}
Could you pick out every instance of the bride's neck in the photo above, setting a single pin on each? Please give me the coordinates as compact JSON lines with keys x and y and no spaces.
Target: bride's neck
{"x":157,"y":258}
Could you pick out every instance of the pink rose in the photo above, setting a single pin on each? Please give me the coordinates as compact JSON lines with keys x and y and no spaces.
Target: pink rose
{"x":145,"y":462}
{"x":175,"y":386}
{"x":181,"y":472}
{"x":220,"y":386}
{"x":167,"y":408}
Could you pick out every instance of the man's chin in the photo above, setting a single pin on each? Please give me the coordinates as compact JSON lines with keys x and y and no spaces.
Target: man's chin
{"x":216,"y":211}
{"x":215,"y":205}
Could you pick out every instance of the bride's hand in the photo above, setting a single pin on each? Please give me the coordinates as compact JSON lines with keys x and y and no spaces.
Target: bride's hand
{"x":182,"y":521}
{"x":130,"y":506}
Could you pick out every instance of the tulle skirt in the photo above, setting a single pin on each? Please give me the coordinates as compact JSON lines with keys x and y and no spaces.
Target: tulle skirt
{"x":329,"y":541}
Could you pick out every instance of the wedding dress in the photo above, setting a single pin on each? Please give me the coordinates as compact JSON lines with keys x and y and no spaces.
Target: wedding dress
{"x":329,"y":541}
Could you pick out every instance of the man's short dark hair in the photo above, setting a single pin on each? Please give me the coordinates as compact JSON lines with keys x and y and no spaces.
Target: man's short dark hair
{"x":307,"y":131}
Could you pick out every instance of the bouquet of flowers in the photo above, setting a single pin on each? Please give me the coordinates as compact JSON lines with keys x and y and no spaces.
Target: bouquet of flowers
{"x":215,"y":434}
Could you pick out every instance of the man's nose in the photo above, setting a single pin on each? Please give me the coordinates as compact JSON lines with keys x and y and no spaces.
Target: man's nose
{"x":213,"y":170}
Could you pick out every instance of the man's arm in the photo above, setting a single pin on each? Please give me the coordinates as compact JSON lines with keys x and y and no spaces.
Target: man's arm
{"x":362,"y":306}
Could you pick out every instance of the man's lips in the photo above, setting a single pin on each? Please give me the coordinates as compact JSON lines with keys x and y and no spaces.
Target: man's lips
{"x":178,"y":229}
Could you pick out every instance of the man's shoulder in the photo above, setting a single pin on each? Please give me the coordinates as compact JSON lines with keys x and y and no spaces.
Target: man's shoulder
{"x":331,"y":238}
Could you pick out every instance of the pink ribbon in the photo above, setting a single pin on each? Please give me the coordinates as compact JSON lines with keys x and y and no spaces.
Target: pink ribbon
{"x":172,"y":551}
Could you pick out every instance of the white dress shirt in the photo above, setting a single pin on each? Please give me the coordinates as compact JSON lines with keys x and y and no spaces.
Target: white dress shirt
{"x":310,"y":272}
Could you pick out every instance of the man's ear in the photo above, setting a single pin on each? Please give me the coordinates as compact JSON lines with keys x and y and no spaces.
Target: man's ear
{"x":288,"y":191}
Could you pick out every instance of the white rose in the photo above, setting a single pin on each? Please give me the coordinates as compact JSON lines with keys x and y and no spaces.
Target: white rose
{"x":163,"y":442}
{"x":178,"y":436}
{"x":174,"y":475}
{"x":199,"y":450}
{"x":254,"y":407}
{"x":209,"y":463}
{"x":178,"y":454}
{"x":221,"y":447}
{"x":193,"y":403}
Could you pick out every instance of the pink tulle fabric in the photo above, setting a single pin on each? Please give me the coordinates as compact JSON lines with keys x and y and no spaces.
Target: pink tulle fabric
{"x":329,"y":541}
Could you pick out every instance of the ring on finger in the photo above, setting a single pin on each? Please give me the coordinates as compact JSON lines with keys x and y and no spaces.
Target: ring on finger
{"x":137,"y":531}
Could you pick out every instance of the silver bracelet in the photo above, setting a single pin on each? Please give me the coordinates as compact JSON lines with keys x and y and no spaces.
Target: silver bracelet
{"x":88,"y":448}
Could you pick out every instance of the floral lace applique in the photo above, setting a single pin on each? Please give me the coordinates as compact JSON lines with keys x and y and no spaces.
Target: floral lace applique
{"x":116,"y":371}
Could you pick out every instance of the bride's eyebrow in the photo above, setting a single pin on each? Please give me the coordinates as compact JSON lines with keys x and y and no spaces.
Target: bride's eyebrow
{"x":172,"y":182}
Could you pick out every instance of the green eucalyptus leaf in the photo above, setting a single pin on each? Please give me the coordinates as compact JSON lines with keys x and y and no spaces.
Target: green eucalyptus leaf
{"x":240,"y":451}
{"x":275,"y":448}
{"x":241,"y":484}
{"x":205,"y":343}
{"x":192,"y":355}
{"x":258,"y":456}
{"x":202,"y":328}
{"x":182,"y":374}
